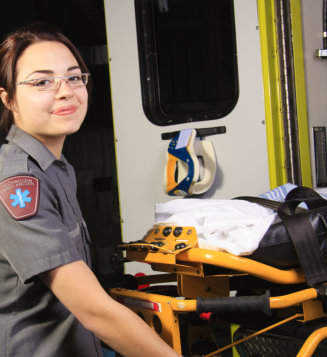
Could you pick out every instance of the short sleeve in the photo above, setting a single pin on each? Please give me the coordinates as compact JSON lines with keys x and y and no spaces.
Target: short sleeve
{"x":41,"y":242}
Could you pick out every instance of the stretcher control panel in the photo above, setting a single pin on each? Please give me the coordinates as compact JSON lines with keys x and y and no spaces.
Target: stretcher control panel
{"x":164,"y":239}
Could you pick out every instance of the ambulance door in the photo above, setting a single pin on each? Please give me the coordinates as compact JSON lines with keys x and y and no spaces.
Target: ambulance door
{"x":240,"y":151}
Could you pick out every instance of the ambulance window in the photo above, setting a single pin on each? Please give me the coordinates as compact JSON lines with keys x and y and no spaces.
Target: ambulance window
{"x":188,"y":59}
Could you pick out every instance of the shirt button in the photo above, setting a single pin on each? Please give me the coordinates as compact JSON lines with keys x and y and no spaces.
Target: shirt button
{"x":18,"y":151}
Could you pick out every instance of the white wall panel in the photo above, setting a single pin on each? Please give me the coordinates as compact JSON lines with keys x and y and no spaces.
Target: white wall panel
{"x":315,"y":68}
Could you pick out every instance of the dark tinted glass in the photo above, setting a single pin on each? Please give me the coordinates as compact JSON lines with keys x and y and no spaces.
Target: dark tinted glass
{"x":188,"y":59}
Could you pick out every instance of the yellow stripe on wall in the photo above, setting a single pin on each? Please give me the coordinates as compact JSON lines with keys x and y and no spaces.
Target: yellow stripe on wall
{"x":272,"y":93}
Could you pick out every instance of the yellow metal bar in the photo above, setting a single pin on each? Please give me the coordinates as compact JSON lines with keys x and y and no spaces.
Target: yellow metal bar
{"x":279,"y":302}
{"x":171,"y":306}
{"x":301,"y":100}
{"x":272,"y":93}
{"x":241,"y":264}
{"x":312,"y":342}
{"x":276,"y":302}
{"x":183,"y":305}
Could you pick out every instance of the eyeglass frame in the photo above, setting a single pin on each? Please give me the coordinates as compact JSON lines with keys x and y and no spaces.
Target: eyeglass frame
{"x":59,"y":79}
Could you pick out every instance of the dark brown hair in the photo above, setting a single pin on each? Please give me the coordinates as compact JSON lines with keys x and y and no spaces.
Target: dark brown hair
{"x":10,"y":51}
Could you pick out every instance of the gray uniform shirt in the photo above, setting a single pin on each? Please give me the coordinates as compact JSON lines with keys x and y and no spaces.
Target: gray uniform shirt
{"x":33,"y":323}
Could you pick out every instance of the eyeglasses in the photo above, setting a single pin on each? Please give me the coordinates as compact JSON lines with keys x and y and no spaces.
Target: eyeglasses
{"x":52,"y":83}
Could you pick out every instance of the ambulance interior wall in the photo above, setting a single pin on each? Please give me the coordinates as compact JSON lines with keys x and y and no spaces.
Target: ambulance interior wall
{"x":241,"y":153}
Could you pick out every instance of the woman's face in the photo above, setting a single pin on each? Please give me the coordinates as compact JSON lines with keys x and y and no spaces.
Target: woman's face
{"x":52,"y":114}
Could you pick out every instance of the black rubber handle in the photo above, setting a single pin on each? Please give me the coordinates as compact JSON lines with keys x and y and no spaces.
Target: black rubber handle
{"x":238,"y":304}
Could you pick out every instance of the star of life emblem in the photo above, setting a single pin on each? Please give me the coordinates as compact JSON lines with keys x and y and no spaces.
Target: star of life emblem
{"x":20,"y":196}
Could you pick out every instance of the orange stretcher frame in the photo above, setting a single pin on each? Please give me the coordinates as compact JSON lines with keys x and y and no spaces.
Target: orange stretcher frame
{"x":174,"y":250}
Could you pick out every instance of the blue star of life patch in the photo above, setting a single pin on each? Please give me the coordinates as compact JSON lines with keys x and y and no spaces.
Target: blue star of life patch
{"x":20,"y":196}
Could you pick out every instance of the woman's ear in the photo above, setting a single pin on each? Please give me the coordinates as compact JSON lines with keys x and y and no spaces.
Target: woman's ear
{"x":5,"y":100}
{"x":4,"y":97}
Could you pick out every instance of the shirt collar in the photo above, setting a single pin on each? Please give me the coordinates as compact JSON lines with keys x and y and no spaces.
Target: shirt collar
{"x":33,"y":147}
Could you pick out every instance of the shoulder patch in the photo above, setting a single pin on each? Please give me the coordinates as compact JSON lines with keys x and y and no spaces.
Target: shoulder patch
{"x":20,"y":196}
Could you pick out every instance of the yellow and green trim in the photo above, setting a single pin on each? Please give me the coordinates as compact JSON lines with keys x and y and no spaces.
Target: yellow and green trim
{"x":272,"y":92}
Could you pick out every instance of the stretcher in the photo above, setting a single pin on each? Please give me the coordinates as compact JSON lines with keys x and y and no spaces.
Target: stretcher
{"x":194,"y":288}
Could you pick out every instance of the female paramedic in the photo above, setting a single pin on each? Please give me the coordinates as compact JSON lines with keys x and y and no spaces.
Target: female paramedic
{"x":51,"y":304}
